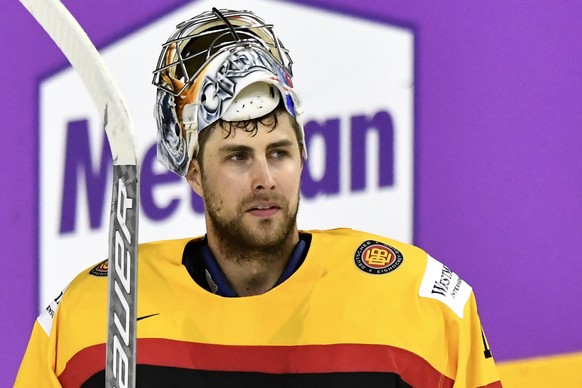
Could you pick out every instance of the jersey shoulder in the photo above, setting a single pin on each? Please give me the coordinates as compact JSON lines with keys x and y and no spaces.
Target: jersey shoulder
{"x":403,"y":264}
{"x":370,"y":252}
{"x":88,"y":290}
{"x":157,"y":251}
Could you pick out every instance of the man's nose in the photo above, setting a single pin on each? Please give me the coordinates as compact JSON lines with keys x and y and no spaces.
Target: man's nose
{"x":262,"y":175}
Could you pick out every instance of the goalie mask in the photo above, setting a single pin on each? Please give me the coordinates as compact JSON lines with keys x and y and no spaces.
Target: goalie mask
{"x":225,"y":65}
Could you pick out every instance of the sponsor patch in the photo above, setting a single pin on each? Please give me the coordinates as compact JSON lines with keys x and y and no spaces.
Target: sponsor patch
{"x":442,"y":284}
{"x":48,"y":314}
{"x":377,"y":258}
{"x":100,"y":269}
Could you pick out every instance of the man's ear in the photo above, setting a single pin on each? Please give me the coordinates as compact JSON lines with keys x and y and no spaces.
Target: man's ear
{"x":194,"y":178}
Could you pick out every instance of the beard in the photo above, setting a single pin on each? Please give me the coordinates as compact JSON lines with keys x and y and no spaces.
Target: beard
{"x":240,"y":240}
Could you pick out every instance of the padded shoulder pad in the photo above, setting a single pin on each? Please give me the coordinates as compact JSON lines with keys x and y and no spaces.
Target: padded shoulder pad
{"x":442,"y":284}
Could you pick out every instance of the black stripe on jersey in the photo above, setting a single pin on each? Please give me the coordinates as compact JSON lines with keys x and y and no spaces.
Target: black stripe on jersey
{"x":149,"y":376}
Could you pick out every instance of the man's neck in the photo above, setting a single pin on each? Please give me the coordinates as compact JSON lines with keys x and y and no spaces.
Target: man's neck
{"x":253,"y":273}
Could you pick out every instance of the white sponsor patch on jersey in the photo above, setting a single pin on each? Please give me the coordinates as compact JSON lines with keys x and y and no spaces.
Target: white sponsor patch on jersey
{"x":442,"y":284}
{"x":47,"y":316}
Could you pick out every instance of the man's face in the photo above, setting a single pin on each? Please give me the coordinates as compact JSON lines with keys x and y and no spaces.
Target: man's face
{"x":250,"y":185}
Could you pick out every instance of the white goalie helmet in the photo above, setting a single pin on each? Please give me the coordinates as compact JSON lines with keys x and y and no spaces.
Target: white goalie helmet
{"x":221,"y":64}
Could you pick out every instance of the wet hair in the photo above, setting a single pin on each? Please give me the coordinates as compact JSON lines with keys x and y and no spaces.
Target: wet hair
{"x":229,"y":128}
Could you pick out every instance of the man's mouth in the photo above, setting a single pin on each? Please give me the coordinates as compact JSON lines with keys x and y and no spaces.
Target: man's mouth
{"x":263,"y":210}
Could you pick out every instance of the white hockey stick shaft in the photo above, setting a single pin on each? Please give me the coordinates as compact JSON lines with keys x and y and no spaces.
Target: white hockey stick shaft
{"x":62,"y":27}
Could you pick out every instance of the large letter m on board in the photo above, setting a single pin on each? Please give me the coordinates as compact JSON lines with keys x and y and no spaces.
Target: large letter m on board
{"x":79,"y":170}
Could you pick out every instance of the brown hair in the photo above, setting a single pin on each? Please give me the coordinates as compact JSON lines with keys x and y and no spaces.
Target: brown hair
{"x":270,"y":120}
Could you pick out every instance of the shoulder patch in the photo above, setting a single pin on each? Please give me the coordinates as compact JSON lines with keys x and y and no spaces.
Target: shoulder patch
{"x":442,"y":284}
{"x":100,"y":269}
{"x":48,"y":314}
{"x":377,"y":258}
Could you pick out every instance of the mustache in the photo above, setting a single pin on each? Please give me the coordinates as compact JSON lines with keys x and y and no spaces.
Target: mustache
{"x":263,"y":197}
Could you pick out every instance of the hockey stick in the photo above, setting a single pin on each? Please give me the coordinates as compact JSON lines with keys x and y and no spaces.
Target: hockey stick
{"x":85,"y":59}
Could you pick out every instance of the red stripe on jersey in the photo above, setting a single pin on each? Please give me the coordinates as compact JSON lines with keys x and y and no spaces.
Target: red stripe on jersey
{"x":83,"y":365}
{"x":266,"y":359}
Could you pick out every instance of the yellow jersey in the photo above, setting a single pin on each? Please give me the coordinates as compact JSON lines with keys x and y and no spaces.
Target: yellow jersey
{"x":361,"y":310}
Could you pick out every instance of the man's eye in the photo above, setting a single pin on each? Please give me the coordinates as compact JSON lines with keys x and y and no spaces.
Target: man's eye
{"x":238,"y":156}
{"x":279,"y":153}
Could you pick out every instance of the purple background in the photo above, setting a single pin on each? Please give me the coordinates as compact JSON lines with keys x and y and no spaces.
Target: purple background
{"x":498,"y":156}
